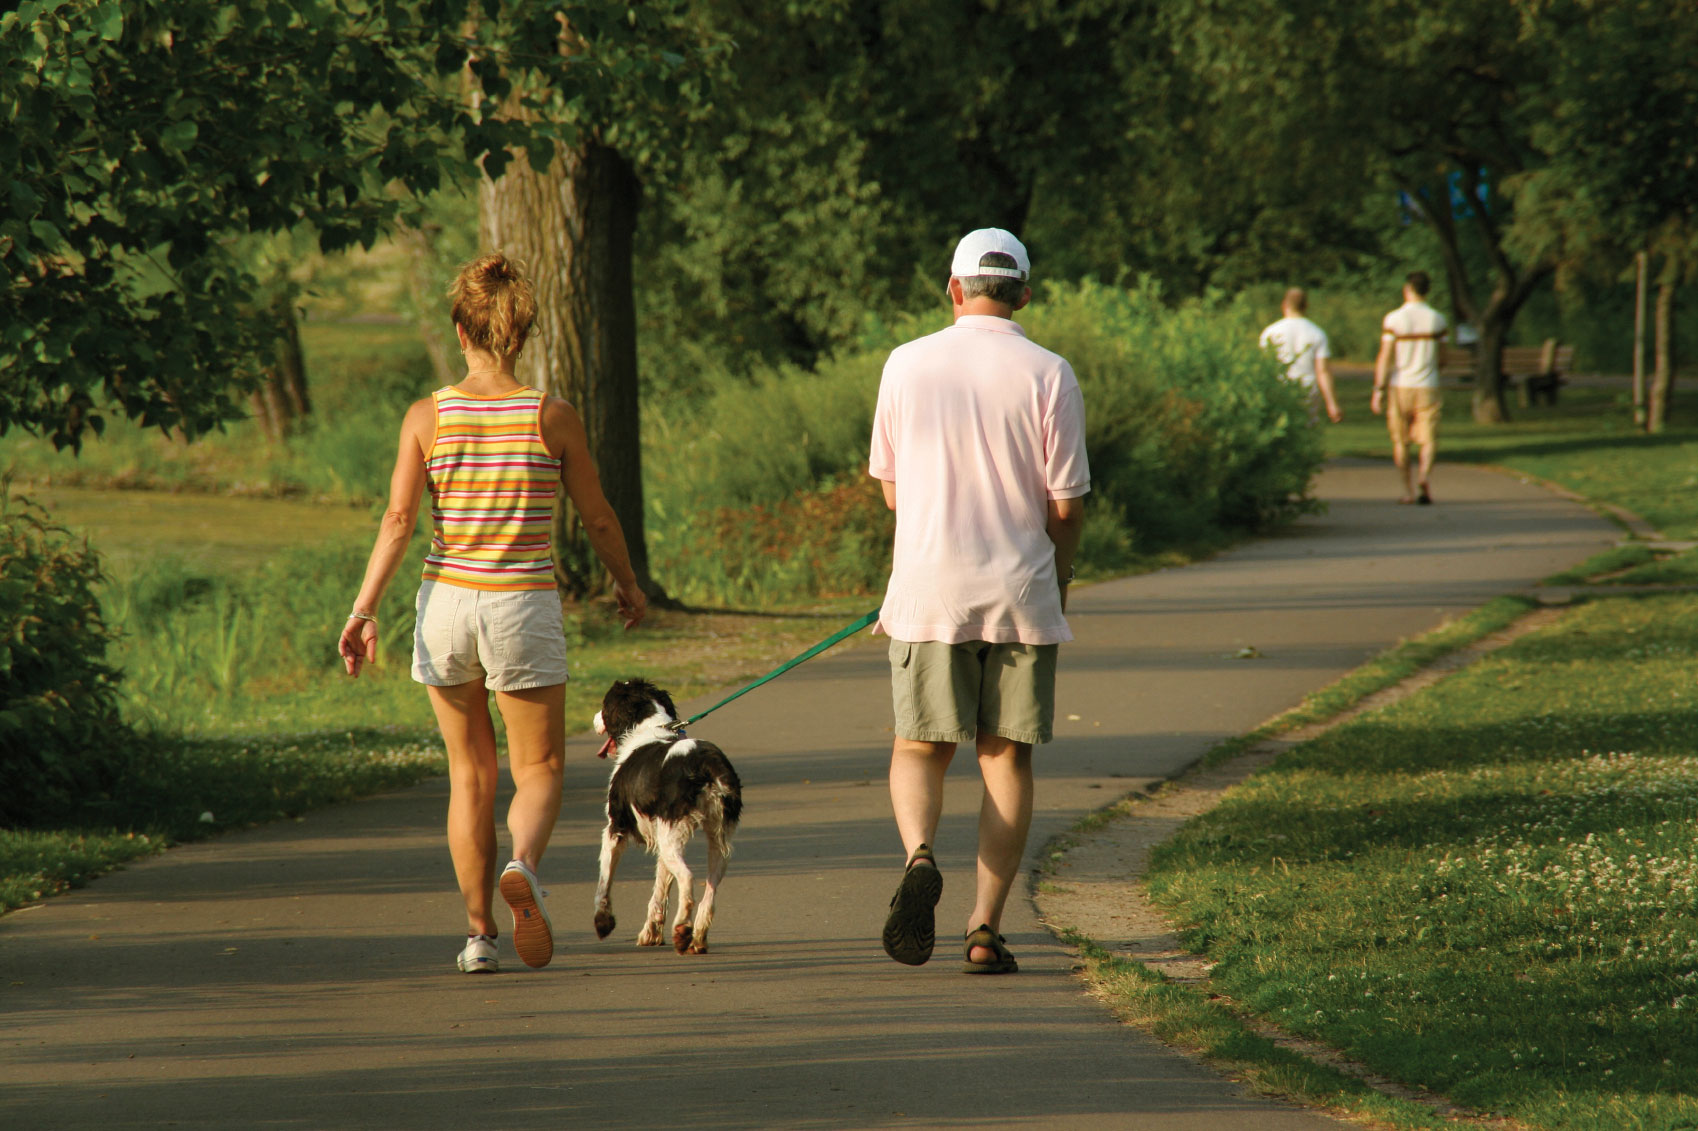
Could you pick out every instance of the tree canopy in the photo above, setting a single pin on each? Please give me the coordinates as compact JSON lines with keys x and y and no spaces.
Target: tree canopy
{"x":143,"y":137}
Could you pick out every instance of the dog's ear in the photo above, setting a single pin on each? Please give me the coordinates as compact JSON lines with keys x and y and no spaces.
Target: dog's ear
{"x":665,"y":700}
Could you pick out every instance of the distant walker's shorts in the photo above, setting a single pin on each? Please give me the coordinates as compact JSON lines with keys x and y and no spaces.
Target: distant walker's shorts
{"x":951,"y":692}
{"x":510,"y":641}
{"x":1412,"y":414}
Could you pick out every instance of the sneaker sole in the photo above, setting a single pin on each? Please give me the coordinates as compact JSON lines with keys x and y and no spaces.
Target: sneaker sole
{"x":910,"y":931}
{"x":533,"y":941}
{"x":490,"y":967}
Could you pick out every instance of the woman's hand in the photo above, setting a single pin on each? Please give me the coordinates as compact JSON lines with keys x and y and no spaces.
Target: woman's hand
{"x":358,"y":644}
{"x":633,"y":603}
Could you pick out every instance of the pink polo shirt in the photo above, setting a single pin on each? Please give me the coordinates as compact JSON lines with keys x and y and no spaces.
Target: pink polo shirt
{"x":978,"y":428}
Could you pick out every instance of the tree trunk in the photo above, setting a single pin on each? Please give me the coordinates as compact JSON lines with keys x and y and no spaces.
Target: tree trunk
{"x":282,"y":397}
{"x":1510,"y":292}
{"x":1489,"y":404}
{"x":1662,"y":375}
{"x":572,"y":227}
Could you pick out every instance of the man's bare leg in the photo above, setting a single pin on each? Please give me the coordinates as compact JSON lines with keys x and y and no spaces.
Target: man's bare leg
{"x":916,"y":789}
{"x":1427,"y":454}
{"x":1005,"y":817}
{"x":1400,"y":457}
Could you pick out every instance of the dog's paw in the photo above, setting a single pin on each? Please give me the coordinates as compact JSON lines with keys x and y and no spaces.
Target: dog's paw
{"x":681,"y":938}
{"x":603,"y":924}
{"x":649,"y":935}
{"x":697,"y":946}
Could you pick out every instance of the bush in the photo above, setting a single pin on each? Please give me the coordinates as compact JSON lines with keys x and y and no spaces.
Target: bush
{"x":1194,"y":437}
{"x":61,"y":738}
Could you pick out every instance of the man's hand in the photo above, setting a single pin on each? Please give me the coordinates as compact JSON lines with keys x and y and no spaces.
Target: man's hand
{"x":1376,"y":403}
{"x":633,"y":603}
{"x":1334,"y":413}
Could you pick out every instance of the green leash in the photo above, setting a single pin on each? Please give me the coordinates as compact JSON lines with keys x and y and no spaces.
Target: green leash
{"x":840,"y":634}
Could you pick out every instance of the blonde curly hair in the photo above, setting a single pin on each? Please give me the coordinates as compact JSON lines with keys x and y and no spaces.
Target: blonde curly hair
{"x":493,"y":304}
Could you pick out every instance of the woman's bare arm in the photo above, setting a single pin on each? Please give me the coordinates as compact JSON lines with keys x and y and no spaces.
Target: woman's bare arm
{"x":563,"y":432}
{"x":358,"y":644}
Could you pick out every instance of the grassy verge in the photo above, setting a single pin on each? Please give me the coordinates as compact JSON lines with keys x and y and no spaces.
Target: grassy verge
{"x":277,"y":743}
{"x":1193,"y":1021}
{"x":1487,"y":890}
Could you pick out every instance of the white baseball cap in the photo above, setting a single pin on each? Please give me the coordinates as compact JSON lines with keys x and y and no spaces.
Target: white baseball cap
{"x":974,"y":246}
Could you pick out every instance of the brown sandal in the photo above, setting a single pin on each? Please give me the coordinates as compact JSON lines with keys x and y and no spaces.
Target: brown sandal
{"x":910,"y":930}
{"x":983,"y":936}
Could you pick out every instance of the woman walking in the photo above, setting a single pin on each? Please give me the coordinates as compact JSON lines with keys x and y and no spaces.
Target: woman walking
{"x":492,"y":452}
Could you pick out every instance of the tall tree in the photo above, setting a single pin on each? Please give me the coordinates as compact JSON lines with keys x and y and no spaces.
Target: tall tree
{"x":1438,"y":100}
{"x":853,"y":143}
{"x":569,"y":211}
{"x":1621,"y":177}
{"x":143,"y":137}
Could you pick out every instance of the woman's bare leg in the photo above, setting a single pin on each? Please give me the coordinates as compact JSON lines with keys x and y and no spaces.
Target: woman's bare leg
{"x":462,"y":712}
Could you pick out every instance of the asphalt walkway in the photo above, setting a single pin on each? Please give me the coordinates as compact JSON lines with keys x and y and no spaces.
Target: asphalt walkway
{"x":300,"y":975}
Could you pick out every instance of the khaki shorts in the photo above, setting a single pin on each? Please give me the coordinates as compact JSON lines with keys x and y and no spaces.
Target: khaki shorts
{"x":510,"y":641}
{"x":1412,"y":414}
{"x":952,"y":692}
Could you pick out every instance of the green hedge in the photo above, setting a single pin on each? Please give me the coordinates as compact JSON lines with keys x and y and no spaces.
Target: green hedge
{"x":62,"y":741}
{"x":1194,"y":437}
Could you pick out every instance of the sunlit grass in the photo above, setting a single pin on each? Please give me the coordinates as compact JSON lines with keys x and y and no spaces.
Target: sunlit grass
{"x":1489,"y":890}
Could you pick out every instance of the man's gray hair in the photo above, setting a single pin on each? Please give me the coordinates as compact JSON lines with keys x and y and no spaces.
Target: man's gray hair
{"x":997,"y":288}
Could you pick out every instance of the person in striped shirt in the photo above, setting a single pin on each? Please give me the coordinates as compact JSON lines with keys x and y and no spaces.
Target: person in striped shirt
{"x":492,"y":451}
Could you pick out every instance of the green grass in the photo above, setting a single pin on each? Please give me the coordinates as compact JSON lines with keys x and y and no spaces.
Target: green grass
{"x":1204,"y":1026}
{"x":362,"y":377}
{"x":1611,"y":561}
{"x":1588,"y":443}
{"x":1676,"y":569}
{"x":184,"y":789}
{"x":1490,"y":889}
{"x":135,"y":529}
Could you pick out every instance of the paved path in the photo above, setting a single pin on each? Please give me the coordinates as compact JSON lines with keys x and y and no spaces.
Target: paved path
{"x":300,"y":975}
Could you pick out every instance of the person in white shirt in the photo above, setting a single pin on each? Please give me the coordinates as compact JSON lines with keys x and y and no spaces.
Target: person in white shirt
{"x":1408,"y":366}
{"x":1302,"y":348}
{"x":979,"y":443}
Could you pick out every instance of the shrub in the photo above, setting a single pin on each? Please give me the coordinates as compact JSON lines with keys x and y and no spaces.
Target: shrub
{"x":61,"y":738}
{"x":1194,"y":437}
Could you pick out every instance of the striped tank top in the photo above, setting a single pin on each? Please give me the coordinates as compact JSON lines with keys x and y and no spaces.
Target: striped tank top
{"x":492,"y":487}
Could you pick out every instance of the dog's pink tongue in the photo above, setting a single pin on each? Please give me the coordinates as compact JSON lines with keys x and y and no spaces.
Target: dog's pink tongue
{"x":606,"y":748}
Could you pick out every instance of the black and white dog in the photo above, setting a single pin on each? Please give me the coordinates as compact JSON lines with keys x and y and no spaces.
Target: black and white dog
{"x":664,"y":787}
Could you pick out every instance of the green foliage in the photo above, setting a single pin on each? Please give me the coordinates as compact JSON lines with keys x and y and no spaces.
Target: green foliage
{"x":1192,"y":431}
{"x":1618,"y":178}
{"x":363,"y":377}
{"x":61,"y":738}
{"x":143,"y":137}
{"x":195,"y":646}
{"x":1194,"y":437}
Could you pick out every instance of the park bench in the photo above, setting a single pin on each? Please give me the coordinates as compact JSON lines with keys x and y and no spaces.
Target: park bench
{"x":1535,"y":371}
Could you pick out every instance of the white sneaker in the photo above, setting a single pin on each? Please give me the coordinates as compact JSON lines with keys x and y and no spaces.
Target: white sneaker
{"x":533,"y":934}
{"x":479,"y":957}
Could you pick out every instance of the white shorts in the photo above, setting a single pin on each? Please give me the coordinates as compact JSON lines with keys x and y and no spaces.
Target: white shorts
{"x":509,"y":641}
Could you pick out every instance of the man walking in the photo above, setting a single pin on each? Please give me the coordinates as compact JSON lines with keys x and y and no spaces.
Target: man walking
{"x":1408,"y":364}
{"x":979,"y":442}
{"x":1302,"y":348}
